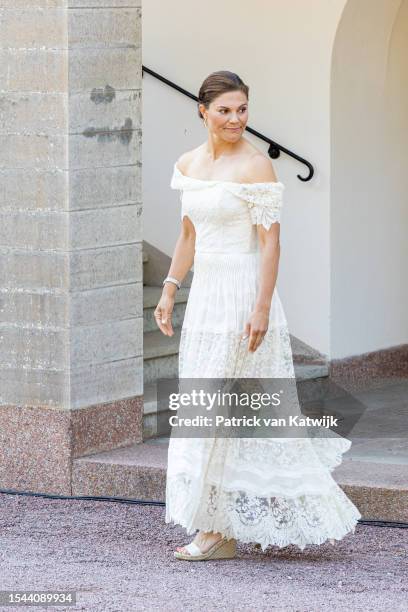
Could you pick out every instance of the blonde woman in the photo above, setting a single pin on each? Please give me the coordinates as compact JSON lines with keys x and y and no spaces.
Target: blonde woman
{"x":265,"y":491}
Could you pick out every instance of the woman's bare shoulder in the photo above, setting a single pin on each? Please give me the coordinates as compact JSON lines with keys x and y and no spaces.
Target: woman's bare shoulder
{"x":256,"y":166}
{"x":186,"y":158}
{"x":260,"y":169}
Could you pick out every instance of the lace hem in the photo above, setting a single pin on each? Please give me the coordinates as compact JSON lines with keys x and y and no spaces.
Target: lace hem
{"x":295,"y":466}
{"x":279,"y":521}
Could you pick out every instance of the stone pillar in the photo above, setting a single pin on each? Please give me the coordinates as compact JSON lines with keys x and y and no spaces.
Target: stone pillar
{"x":71,"y":308}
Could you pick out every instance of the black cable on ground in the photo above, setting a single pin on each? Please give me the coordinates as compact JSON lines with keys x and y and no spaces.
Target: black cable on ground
{"x":151,"y":502}
{"x":123,"y":500}
{"x":380,"y":523}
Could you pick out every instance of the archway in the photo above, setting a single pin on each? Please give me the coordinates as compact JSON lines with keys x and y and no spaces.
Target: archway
{"x":369,"y":186}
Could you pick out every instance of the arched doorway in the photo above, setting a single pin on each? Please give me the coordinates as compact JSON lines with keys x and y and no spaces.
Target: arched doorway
{"x":369,"y":186}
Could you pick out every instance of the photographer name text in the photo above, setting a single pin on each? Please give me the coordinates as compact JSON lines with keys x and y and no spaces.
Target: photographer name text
{"x":252,"y":421}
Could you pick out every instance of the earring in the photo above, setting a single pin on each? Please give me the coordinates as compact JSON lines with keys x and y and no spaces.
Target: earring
{"x":205,"y":122}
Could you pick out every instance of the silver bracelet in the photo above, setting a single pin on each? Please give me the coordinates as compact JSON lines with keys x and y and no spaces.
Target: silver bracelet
{"x":171,"y":279}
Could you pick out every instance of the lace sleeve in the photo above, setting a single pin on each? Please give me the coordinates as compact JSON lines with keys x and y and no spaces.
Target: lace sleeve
{"x":264,"y":201}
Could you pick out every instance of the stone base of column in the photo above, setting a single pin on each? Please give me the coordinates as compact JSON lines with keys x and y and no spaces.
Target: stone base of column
{"x":38,"y":444}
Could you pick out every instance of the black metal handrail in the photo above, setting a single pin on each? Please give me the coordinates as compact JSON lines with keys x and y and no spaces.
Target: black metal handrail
{"x":274,"y":149}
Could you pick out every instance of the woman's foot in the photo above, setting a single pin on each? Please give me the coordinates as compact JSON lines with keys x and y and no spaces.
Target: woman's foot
{"x":204,"y":540}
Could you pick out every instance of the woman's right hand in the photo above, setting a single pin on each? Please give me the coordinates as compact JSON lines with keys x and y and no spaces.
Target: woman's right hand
{"x":163,"y":312}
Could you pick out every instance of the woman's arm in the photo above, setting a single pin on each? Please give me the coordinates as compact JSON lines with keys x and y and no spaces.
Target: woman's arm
{"x":181,"y":263}
{"x":261,"y":170}
{"x":258,"y":323}
{"x":270,"y":254}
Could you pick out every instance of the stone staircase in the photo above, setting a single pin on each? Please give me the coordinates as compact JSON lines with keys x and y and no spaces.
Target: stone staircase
{"x":161,"y":352}
{"x":379,"y":489}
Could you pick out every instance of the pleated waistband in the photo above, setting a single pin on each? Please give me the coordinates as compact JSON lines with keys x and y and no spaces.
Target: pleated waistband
{"x":224,"y":290}
{"x":222,"y":263}
{"x":225,"y":254}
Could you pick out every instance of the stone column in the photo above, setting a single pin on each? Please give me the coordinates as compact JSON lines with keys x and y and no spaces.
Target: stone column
{"x":71,"y":309}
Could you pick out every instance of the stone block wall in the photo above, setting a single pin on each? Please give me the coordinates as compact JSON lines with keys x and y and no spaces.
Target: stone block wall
{"x":71,"y":307}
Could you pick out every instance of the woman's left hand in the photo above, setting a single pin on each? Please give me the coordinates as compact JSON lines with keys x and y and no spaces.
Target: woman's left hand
{"x":256,"y":327}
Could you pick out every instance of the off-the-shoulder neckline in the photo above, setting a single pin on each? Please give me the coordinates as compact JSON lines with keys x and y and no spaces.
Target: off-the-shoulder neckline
{"x":192,"y":178}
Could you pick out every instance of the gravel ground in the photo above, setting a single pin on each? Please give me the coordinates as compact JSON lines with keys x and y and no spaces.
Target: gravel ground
{"x":119,"y":557}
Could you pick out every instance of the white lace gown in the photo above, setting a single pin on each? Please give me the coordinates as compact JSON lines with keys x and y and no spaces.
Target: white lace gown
{"x":271,"y":491}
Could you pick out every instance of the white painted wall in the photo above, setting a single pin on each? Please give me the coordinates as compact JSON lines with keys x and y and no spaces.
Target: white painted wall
{"x":369,"y":217}
{"x":283,"y":51}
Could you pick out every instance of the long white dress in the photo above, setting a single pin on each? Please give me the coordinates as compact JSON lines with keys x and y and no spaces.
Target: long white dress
{"x":276,"y":491}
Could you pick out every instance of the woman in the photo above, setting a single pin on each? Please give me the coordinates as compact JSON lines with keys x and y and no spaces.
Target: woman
{"x":266,"y":491}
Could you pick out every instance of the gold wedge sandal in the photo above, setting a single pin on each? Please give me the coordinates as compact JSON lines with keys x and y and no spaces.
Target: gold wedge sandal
{"x":223,"y":549}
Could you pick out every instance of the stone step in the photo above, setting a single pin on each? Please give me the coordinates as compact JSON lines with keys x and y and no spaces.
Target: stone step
{"x":150,"y":411}
{"x":379,"y":490}
{"x":305,"y":354}
{"x":304,"y":371}
{"x":151,"y":297}
{"x":133,"y":472}
{"x":160,"y":355}
{"x":309,"y":363}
